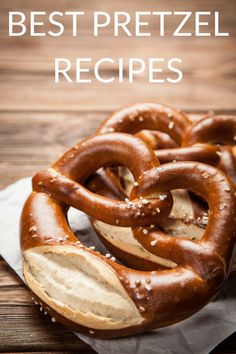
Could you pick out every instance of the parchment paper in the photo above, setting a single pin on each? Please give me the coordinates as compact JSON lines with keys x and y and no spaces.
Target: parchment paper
{"x":198,"y":334}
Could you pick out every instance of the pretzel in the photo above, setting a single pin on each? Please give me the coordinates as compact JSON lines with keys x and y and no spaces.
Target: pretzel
{"x":92,"y":293}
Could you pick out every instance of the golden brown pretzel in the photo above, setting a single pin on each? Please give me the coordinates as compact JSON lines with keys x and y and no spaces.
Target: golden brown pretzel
{"x":92,"y":293}
{"x":216,"y":130}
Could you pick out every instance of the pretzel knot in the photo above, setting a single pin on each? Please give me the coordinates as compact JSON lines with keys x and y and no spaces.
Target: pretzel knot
{"x":96,"y":295}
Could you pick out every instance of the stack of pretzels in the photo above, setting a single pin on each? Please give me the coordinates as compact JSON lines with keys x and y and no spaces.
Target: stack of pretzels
{"x":160,"y":192}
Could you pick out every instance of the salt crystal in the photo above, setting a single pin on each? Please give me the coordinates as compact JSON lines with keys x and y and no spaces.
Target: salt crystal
{"x":148,"y":287}
{"x":222,"y":206}
{"x":162,"y":196}
{"x":142,"y":309}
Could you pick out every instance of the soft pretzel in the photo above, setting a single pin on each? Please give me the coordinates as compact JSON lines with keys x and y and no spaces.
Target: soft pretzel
{"x":92,"y":293}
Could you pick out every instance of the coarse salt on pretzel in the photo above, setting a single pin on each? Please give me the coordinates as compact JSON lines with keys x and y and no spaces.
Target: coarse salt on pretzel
{"x":90,"y":292}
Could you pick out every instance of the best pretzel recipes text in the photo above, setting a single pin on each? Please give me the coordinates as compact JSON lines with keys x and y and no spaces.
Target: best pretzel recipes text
{"x":136,"y":24}
{"x":144,"y":23}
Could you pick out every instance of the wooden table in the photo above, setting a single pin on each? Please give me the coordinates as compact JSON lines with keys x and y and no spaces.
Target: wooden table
{"x":39,"y":119}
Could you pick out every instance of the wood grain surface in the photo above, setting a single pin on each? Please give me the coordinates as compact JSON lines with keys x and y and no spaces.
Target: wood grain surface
{"x":39,"y":119}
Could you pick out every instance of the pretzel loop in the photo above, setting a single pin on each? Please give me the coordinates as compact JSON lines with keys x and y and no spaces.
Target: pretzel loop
{"x":218,"y":192}
{"x":80,"y":162}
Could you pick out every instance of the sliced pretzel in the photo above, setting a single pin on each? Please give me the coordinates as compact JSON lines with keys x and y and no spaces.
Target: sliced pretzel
{"x":96,"y":295}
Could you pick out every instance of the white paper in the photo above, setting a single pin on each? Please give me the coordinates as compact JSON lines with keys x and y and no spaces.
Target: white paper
{"x":198,"y":334}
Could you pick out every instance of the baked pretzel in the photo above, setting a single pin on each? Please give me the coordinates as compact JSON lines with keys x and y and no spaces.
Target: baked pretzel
{"x":92,"y":293}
